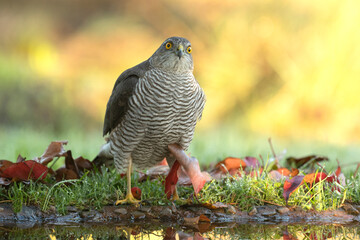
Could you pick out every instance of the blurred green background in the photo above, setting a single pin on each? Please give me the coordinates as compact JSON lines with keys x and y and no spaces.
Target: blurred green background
{"x":283,"y":69}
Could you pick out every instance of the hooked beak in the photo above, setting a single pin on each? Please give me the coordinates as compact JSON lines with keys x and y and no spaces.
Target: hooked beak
{"x":180,"y":51}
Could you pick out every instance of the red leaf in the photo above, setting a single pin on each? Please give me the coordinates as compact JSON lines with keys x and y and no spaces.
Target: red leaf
{"x":136,"y":192}
{"x":25,"y":171}
{"x":5,"y":164}
{"x":171,"y":180}
{"x":291,"y":185}
{"x":314,"y":177}
{"x":338,"y":171}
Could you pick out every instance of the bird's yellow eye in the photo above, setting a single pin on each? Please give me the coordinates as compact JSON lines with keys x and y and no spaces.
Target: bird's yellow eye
{"x":189,"y":49}
{"x":168,"y":45}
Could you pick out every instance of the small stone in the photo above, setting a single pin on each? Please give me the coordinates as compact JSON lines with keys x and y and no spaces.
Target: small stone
{"x":253,"y":211}
{"x":145,"y":209}
{"x":138,"y":215}
{"x":1,"y":209}
{"x":71,"y":209}
{"x":231,"y":209}
{"x":165,"y":212}
{"x":267,"y":211}
{"x":282,"y":210}
{"x":349,"y":209}
{"x":121,"y":211}
{"x":52,"y":208}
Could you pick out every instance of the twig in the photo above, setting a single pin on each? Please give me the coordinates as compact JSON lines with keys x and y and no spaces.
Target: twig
{"x":5,"y":201}
{"x":262,"y":160}
{"x":357,"y":168}
{"x":264,"y":201}
{"x":274,"y":154}
{"x":322,"y":167}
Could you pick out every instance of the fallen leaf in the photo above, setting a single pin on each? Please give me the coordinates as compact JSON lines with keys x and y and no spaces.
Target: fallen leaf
{"x":251,"y":162}
{"x":55,"y":149}
{"x":136,"y":192}
{"x":27,"y":170}
{"x":65,"y":174}
{"x":230,"y":163}
{"x":83,"y":164}
{"x":213,"y":206}
{"x":70,"y":163}
{"x":275,"y":175}
{"x":284,"y":171}
{"x":4,"y":181}
{"x":294,"y":172}
{"x":298,"y":162}
{"x":314,"y":177}
{"x":291,"y":185}
{"x":20,"y":159}
{"x":5,"y":164}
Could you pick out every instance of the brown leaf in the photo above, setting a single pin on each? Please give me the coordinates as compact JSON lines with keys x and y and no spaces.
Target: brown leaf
{"x":20,"y":159}
{"x":216,"y":205}
{"x":298,"y":162}
{"x":55,"y":149}
{"x":70,"y":163}
{"x":83,"y":164}
{"x":65,"y":174}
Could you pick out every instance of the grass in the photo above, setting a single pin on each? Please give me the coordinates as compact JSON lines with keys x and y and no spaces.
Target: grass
{"x":97,"y":190}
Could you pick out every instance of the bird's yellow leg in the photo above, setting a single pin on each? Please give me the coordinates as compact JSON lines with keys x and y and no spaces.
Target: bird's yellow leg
{"x":175,"y":195}
{"x":129,"y":196}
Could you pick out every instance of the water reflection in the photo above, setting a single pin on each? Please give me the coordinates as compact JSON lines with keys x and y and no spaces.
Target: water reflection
{"x":196,"y":232}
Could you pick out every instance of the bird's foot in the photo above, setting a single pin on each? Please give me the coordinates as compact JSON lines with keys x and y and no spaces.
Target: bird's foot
{"x":175,"y":196}
{"x":129,"y":199}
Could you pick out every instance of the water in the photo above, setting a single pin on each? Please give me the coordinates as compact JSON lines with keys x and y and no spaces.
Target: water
{"x":175,"y":232}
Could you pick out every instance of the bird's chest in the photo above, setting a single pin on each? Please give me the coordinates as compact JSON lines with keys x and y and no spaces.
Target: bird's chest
{"x":167,"y":103}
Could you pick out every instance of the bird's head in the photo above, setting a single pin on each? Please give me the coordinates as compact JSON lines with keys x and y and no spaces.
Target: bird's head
{"x":174,"y":54}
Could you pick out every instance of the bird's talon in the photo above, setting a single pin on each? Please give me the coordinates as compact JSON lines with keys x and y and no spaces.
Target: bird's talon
{"x":129,"y":199}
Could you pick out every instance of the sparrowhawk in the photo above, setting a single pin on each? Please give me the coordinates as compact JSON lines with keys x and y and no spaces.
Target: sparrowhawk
{"x":153,"y":105}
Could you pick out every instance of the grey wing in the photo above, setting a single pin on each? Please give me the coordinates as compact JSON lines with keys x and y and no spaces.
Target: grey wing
{"x":118,"y":102}
{"x":122,"y":91}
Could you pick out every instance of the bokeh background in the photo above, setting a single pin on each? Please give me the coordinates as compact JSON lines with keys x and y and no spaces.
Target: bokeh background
{"x":283,"y":69}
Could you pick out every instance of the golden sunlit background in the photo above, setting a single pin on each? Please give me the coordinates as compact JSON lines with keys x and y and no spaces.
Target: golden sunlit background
{"x":282,"y":69}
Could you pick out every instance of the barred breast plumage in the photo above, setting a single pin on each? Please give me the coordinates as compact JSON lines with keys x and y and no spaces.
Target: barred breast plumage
{"x":152,"y":105}
{"x":164,"y":109}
